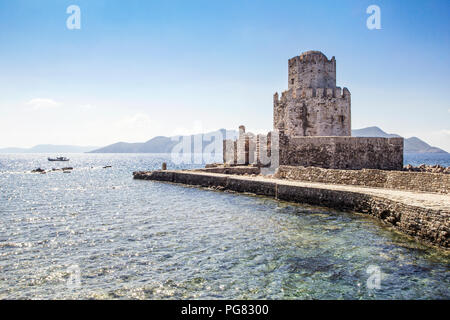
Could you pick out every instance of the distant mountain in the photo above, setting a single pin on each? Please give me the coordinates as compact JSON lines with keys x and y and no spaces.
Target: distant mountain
{"x":48,"y":148}
{"x":411,"y":145}
{"x":415,"y":145}
{"x":372,"y":132}
{"x":161,"y":144}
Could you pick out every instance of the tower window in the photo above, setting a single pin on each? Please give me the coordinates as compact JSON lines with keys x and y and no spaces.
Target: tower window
{"x":341,"y":119}
{"x":292,"y":81}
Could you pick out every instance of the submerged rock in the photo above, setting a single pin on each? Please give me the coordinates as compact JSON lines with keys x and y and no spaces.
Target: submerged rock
{"x":62,"y":169}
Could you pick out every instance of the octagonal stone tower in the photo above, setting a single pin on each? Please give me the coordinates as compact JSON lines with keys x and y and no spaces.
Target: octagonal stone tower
{"x":312,"y":105}
{"x":312,"y":69}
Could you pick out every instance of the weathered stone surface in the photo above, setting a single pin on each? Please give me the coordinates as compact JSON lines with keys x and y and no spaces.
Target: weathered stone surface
{"x":311,"y":69}
{"x":427,"y":168}
{"x":398,"y":180}
{"x":425,"y":216}
{"x":312,"y":105}
{"x":239,"y":170}
{"x":343,"y":152}
{"x":313,"y":112}
{"x":263,"y":188}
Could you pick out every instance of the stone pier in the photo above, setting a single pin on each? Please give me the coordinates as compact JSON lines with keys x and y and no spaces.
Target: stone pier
{"x":425,"y":216}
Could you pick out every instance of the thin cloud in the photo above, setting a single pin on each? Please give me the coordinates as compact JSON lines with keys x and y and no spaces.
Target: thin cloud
{"x":136,"y":121}
{"x":87,"y":107}
{"x":43,"y":103}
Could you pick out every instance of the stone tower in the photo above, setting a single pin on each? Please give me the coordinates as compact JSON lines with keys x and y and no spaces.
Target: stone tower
{"x":312,"y":105}
{"x":314,"y":130}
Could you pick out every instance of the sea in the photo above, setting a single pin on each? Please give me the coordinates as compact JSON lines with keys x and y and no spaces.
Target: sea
{"x":95,"y":233}
{"x":416,"y":159}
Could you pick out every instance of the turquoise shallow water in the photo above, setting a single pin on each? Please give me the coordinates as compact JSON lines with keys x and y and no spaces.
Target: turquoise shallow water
{"x":150,"y":240}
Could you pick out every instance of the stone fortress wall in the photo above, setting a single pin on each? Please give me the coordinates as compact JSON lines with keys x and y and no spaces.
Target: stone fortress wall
{"x":397,"y":180}
{"x":313,"y":122}
{"x":313,"y":112}
{"x":429,"y":182}
{"x":342,"y":152}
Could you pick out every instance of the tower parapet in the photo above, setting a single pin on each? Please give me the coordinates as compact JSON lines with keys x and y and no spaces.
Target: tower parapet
{"x":313,"y":105}
{"x":312,"y":69}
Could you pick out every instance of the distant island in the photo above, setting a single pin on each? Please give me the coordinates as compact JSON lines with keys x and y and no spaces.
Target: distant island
{"x":411,"y":145}
{"x":49,"y":148}
{"x":162,"y":144}
{"x":158,"y":144}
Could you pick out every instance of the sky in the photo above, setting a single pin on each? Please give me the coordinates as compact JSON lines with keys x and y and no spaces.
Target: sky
{"x":139,"y":69}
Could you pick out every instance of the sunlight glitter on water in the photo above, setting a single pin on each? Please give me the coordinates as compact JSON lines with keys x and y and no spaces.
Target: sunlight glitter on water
{"x":149,"y":240}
